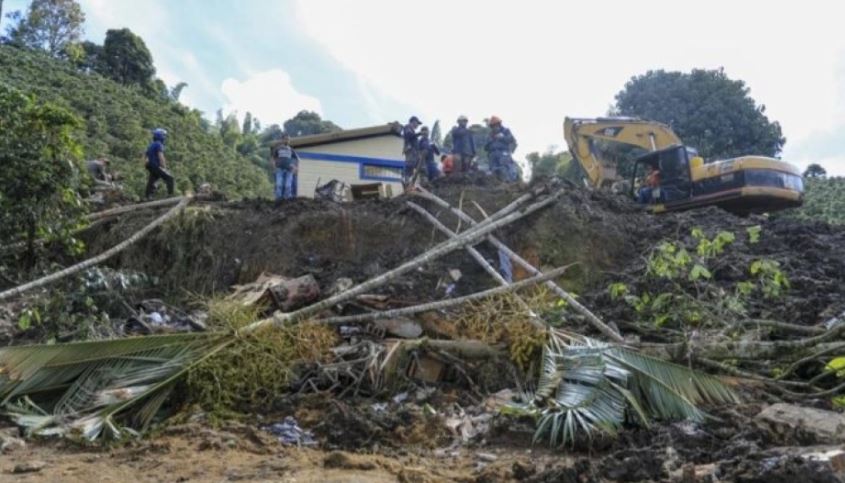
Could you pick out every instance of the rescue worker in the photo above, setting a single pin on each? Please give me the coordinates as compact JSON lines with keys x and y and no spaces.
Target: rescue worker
{"x":285,"y":164}
{"x":99,"y":169}
{"x":156,"y":164}
{"x":410,"y":148}
{"x":645,"y":194}
{"x":447,"y":163}
{"x":463,"y":145}
{"x":427,"y":150}
{"x":500,"y":146}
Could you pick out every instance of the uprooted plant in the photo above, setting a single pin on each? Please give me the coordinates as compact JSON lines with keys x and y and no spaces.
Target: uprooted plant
{"x":589,"y":388}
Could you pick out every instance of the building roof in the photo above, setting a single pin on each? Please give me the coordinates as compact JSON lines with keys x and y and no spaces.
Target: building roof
{"x":391,"y":129}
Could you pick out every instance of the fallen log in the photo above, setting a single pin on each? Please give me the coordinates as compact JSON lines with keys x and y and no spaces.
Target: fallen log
{"x":129,"y":208}
{"x":12,"y":292}
{"x":475,"y":255}
{"x":442,"y":304}
{"x":465,"y":238}
{"x":577,"y":306}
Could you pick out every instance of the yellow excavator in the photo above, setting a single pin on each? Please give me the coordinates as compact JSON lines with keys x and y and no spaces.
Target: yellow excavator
{"x":747,"y":184}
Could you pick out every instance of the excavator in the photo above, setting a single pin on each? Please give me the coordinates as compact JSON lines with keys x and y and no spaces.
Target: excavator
{"x":743,"y":185}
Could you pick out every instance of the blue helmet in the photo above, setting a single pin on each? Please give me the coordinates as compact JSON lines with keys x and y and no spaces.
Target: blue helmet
{"x":159,"y":134}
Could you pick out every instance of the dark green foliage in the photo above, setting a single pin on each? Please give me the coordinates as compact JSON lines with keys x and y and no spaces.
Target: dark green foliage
{"x":306,"y":123}
{"x":50,"y":25}
{"x":39,"y":179}
{"x":815,"y":171}
{"x":126,"y":58}
{"x":551,"y":164}
{"x":824,"y":200}
{"x":706,"y":109}
{"x":118,"y":120}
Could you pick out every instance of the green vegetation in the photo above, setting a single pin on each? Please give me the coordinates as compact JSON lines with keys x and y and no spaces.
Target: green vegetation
{"x":824,"y":200}
{"x":708,"y":110}
{"x":117,"y":123}
{"x":39,"y":182}
{"x":686,"y":295}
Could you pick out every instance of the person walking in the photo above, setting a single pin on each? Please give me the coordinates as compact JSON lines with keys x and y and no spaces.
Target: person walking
{"x":285,"y":164}
{"x":156,"y":164}
{"x":463,"y":145}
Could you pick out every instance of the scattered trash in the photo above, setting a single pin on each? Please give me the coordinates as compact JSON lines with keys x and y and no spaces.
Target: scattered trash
{"x":288,"y":432}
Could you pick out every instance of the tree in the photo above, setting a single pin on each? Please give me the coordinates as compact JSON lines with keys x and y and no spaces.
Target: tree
{"x":436,"y":133}
{"x":127,"y":59}
{"x":706,"y":109}
{"x":247,"y":126}
{"x":91,"y":59}
{"x":306,"y":123}
{"x":50,"y":25}
{"x":815,"y":171}
{"x":176,"y":91}
{"x":39,"y":182}
{"x":550,"y":164}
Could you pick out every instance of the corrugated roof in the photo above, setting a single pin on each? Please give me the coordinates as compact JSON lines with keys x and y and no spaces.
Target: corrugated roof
{"x":393,"y":128}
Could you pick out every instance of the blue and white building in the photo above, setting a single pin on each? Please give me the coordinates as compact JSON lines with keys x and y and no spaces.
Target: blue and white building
{"x":355,"y":157}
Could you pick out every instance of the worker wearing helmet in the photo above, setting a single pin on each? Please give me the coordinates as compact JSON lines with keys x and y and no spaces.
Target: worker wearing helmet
{"x":463,"y":145}
{"x":500,"y":146}
{"x":427,"y":149}
{"x":156,"y":164}
{"x":411,"y":147}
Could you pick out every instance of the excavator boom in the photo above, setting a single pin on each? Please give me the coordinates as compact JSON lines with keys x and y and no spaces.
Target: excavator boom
{"x":582,"y":134}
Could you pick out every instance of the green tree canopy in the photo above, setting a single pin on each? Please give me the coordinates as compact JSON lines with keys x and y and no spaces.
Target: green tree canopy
{"x":815,"y":171}
{"x":126,"y":58}
{"x":306,"y":123}
{"x":708,"y":110}
{"x":39,"y":181}
{"x":50,"y":25}
{"x":550,"y":164}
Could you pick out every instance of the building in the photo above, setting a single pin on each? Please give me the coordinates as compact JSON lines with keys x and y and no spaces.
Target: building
{"x":363,"y":156}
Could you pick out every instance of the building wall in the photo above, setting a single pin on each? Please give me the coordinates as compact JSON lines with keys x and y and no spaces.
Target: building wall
{"x":358,"y":161}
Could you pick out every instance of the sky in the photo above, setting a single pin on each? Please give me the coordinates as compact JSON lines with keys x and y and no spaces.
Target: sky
{"x":532,"y":63}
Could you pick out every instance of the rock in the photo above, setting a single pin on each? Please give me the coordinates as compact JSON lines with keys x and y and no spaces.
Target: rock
{"x":32,"y":466}
{"x":825,"y":426}
{"x":9,"y":441}
{"x":401,"y":327}
{"x":488,"y":457}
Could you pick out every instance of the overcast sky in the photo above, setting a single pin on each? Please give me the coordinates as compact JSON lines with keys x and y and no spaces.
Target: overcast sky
{"x":530,"y":62}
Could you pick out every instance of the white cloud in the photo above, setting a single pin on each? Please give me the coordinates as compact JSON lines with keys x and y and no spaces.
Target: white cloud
{"x":532,"y":63}
{"x":270,"y":96}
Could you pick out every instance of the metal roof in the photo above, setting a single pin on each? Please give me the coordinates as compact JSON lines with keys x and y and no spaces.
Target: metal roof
{"x":392,"y":129}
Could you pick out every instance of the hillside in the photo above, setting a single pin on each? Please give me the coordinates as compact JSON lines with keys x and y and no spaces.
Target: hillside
{"x":118,"y":120}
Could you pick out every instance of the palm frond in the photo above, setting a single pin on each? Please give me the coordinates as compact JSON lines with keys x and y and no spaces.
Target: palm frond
{"x":80,"y":388}
{"x":590,"y":387}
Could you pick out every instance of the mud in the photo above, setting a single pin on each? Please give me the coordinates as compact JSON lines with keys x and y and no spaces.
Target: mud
{"x":214,"y":246}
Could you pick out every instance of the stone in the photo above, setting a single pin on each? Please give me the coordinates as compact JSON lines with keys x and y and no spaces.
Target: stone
{"x":32,"y":466}
{"x":826,"y":426}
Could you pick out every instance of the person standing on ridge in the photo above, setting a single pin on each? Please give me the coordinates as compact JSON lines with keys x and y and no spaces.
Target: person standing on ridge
{"x":463,"y":146}
{"x":500,"y":147}
{"x":411,"y":147}
{"x":156,"y":164}
{"x":285,"y":163}
{"x":427,"y":150}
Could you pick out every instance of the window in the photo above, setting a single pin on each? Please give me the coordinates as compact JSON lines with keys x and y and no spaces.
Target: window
{"x":375,"y":171}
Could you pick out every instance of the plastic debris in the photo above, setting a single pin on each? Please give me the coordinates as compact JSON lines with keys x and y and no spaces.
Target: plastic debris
{"x":288,"y":432}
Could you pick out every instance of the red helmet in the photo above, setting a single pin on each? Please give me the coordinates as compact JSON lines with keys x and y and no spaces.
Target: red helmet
{"x":494,"y":120}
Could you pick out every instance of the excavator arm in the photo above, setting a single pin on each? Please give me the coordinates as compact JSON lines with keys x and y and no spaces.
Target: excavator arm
{"x":581,"y":135}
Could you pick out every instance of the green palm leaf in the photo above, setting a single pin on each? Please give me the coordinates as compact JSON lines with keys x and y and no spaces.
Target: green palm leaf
{"x":589,"y":387}
{"x":79,"y":388}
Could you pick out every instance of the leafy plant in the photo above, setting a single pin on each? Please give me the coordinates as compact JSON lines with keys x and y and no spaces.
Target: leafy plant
{"x":588,"y":388}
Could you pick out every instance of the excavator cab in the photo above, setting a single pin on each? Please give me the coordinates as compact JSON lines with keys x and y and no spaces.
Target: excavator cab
{"x":746,"y":184}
